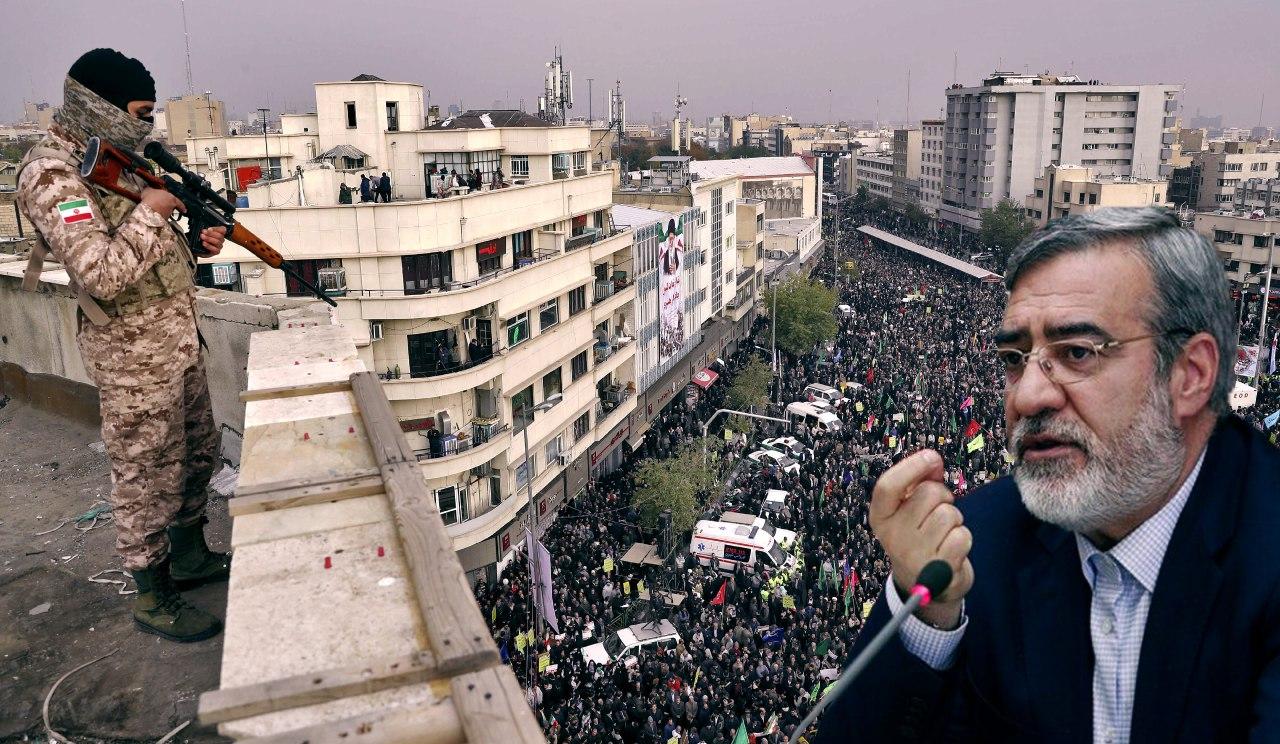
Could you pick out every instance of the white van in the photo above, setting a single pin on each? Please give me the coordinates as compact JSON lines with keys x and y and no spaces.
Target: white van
{"x":813,"y":417}
{"x":724,"y":545}
{"x":784,"y":538}
{"x":622,"y":644}
{"x":817,"y":391}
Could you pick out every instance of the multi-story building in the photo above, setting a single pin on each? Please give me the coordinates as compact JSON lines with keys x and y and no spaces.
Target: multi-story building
{"x":1225,"y":166}
{"x":931,"y":151}
{"x":1069,"y":189}
{"x":1243,"y":242}
{"x":1000,"y":135}
{"x":789,"y":186}
{"x":39,"y":114}
{"x":196,"y":115}
{"x":875,"y":171}
{"x":906,"y":168}
{"x":1258,"y":195}
{"x":846,"y":173}
{"x":475,"y":307}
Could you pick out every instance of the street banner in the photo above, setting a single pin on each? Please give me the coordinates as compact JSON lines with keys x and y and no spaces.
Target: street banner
{"x":544,"y":661}
{"x":719,"y":598}
{"x":608,"y":565}
{"x":671,"y":290}
{"x":773,"y":637}
{"x":1242,"y":396}
{"x":1271,"y":420}
{"x":544,"y":595}
{"x":1246,"y":361}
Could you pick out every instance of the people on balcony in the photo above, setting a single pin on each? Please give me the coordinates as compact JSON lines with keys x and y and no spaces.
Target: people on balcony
{"x":366,"y":189}
{"x":384,"y":188}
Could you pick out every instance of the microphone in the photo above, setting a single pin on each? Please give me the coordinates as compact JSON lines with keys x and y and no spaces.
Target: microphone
{"x":933,"y":580}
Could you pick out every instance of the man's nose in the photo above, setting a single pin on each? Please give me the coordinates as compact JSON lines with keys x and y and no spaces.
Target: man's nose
{"x":1034,"y":392}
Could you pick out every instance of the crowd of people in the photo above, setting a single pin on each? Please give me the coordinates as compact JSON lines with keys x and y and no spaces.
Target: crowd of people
{"x":910,"y":356}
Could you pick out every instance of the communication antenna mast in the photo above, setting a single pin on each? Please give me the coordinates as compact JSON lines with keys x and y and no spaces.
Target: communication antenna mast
{"x":557,"y":91}
{"x":191,"y":87}
{"x":680,"y":103}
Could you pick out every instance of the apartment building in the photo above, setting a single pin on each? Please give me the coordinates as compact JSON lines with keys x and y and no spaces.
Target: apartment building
{"x":875,"y":171}
{"x":197,"y":115}
{"x":1222,"y":169}
{"x":999,"y":136}
{"x":789,"y":186}
{"x":906,"y":168}
{"x":931,"y":152}
{"x":475,"y":308}
{"x":1068,"y":189}
{"x":1243,"y":243}
{"x":1257,"y":195}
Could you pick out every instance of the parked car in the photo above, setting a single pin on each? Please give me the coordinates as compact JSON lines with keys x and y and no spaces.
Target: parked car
{"x":789,"y":446}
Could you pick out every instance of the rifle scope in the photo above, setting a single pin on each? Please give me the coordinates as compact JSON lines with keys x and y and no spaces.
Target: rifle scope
{"x":155,"y":151}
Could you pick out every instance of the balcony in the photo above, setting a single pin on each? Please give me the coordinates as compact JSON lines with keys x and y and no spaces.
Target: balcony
{"x":485,"y":439}
{"x":589,"y":236}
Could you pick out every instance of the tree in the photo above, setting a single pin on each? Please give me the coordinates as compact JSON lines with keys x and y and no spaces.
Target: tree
{"x":635,"y":154}
{"x":915,"y":216}
{"x":806,"y":314}
{"x":880,"y":205}
{"x":1003,"y":228}
{"x":678,"y":483}
{"x":743,"y":151}
{"x":750,"y":386}
{"x":861,"y":197}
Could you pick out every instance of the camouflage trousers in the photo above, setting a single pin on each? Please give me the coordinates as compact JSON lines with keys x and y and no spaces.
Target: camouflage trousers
{"x":162,"y":444}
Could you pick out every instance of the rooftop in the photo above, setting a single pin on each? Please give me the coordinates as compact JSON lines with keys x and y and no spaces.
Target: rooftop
{"x":489,"y":119}
{"x":789,"y":165}
{"x":789,"y":225}
{"x":625,"y":215}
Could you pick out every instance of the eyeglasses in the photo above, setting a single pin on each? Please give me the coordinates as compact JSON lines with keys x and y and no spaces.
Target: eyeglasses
{"x":1070,"y":361}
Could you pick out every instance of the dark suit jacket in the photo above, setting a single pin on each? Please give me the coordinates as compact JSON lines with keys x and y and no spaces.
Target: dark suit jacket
{"x":1209,"y":669}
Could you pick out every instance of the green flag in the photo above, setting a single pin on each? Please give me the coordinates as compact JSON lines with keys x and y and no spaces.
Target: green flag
{"x":848,"y":598}
{"x":741,"y":736}
{"x":824,"y":647}
{"x":813,"y":694}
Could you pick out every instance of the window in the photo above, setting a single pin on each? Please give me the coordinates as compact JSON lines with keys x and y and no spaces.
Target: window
{"x":551,"y":383}
{"x":393,"y":116}
{"x":548,"y":314}
{"x":518,"y":330}
{"x":1259,"y":241}
{"x":1039,"y":193}
{"x":1082,"y":197}
{"x":553,"y":450}
{"x":1093,"y":198}
{"x":431,"y":353}
{"x":519,"y":166}
{"x":582,"y":426}
{"x":522,"y":474}
{"x":426,"y":272}
{"x":560,"y":165}
{"x":737,"y":553}
{"x":452,"y":505}
{"x":465,"y":162}
{"x":577,"y":300}
{"x":520,"y":402}
{"x":489,"y":255}
{"x":579,"y":365}
{"x":309,"y":269}
{"x":351,"y":114}
{"x":522,"y":247}
{"x":580,"y":162}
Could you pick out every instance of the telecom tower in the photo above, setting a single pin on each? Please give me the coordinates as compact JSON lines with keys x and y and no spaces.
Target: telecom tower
{"x":679,"y":138}
{"x":557,"y":92}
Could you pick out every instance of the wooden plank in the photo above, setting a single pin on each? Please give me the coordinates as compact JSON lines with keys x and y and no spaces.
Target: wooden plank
{"x":293,"y":391}
{"x":306,"y":408}
{"x":435,"y":723}
{"x":302,"y":374}
{"x":455,"y":626}
{"x":248,"y":529}
{"x":296,"y":346}
{"x":315,"y":492}
{"x":333,"y":447}
{"x":230,"y":704}
{"x":492,"y":708}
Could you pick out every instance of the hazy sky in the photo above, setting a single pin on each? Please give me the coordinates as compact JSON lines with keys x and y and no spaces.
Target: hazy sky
{"x":725,"y":55}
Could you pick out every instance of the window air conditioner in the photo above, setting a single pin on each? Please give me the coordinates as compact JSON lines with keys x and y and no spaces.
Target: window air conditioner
{"x":468,"y":323}
{"x":375,"y":330}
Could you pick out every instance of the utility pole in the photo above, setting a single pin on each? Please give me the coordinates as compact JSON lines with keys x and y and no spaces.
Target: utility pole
{"x":191,"y":88}
{"x":266,"y":153}
{"x":1266,"y":296}
{"x":591,"y":99}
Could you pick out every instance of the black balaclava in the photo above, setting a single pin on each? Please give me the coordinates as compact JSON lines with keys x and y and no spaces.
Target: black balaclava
{"x":96,"y":96}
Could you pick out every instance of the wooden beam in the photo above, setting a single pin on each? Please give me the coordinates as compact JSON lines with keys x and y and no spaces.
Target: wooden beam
{"x":449,"y":610}
{"x":293,"y":391}
{"x":218,"y":706}
{"x":303,"y":492}
{"x":433,"y":723}
{"x":492,"y":708}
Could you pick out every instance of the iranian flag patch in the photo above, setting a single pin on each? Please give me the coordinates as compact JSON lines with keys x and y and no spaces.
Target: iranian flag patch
{"x":77,"y":210}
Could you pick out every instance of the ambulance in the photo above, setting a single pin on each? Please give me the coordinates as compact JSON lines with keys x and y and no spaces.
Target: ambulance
{"x":725,"y":545}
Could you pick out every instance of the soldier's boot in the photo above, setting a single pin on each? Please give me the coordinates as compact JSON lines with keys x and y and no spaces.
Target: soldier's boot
{"x":191,"y":562}
{"x":161,"y":610}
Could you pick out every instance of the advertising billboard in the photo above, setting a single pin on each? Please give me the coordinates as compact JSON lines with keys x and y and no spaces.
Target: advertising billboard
{"x":670,"y":290}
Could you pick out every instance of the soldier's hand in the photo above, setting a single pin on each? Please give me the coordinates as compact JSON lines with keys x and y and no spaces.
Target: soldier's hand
{"x":913,"y":515}
{"x":212,"y":238}
{"x":162,"y":202}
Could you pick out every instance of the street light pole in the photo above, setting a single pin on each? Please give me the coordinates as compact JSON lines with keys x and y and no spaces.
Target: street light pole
{"x":707,"y":425}
{"x":1244,"y":286}
{"x":531,"y":513}
{"x":773,"y":332}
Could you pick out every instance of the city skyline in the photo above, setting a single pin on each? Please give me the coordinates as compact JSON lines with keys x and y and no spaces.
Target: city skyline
{"x":843,"y":66}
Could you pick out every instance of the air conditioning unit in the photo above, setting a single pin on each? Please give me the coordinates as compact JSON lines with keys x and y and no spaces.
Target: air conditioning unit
{"x":443,"y":423}
{"x":333,"y":281}
{"x":562,"y":459}
{"x":375,"y":330}
{"x":468,"y":323}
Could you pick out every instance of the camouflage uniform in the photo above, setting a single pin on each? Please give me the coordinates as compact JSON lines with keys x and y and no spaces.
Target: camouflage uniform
{"x":144,"y":354}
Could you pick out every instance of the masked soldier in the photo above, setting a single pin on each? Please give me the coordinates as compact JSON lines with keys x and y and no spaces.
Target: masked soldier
{"x":132,"y":272}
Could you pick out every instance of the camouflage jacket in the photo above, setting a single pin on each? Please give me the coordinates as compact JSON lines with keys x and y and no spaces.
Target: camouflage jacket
{"x":131,"y":259}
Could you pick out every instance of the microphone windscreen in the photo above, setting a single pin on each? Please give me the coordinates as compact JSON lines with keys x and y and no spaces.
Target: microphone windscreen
{"x":935,"y":576}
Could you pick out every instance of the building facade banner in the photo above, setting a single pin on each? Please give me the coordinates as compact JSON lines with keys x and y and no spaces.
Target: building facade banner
{"x":671,"y":290}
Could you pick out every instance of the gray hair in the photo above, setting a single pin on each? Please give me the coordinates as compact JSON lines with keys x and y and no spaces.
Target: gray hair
{"x":1190,"y":286}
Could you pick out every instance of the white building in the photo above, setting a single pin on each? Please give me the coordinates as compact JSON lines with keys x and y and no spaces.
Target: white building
{"x":474,"y":307}
{"x":1243,"y":243}
{"x":1000,"y":136}
{"x":931,"y":152}
{"x":875,"y":171}
{"x":788,"y":185}
{"x":1071,"y":189}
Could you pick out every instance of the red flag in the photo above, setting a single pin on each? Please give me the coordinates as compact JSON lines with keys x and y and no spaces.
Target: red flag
{"x":972,"y":429}
{"x":871,"y":375}
{"x":719,"y":599}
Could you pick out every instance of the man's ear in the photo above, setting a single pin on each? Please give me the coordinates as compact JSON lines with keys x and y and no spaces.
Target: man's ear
{"x":1192,"y":378}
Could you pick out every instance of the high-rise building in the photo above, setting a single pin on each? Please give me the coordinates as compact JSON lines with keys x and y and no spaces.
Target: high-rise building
{"x":1000,"y":136}
{"x":931,"y":152}
{"x":193,"y":115}
{"x":906,"y":168}
{"x":40,"y":114}
{"x":875,"y":171}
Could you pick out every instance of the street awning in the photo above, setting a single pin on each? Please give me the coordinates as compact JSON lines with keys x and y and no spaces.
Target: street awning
{"x":704,"y":378}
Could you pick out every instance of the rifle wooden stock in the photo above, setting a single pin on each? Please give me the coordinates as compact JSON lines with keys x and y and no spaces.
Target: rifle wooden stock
{"x":241,"y":236}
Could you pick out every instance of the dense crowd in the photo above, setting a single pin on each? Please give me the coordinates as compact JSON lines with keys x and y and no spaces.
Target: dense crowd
{"x":913,"y":356}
